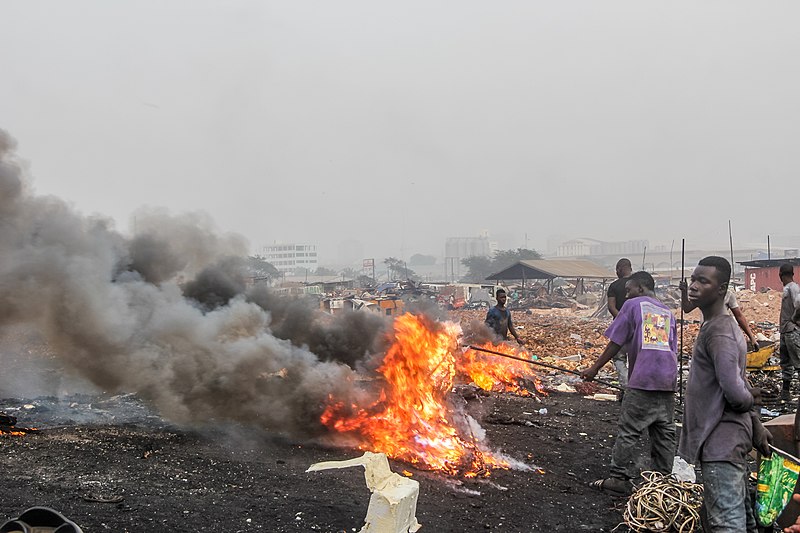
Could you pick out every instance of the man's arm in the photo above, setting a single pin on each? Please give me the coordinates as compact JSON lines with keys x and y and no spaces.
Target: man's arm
{"x":511,"y":328}
{"x":762,"y":438}
{"x":742,"y":321}
{"x":611,"y":350}
{"x":612,"y":306}
{"x":796,"y":299}
{"x":724,"y":349}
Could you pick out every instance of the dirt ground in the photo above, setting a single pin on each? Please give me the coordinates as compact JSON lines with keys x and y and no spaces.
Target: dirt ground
{"x":160,"y":477}
{"x":230,"y":479}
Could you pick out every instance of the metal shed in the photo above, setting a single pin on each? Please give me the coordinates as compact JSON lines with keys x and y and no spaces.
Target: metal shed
{"x":549,"y":269}
{"x":763,"y":273}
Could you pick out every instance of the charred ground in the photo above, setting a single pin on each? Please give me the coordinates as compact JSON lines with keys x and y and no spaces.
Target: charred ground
{"x":230,"y":479}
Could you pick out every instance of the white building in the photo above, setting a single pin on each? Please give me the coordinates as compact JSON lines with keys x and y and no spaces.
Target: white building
{"x":591,"y":247}
{"x":291,"y":258}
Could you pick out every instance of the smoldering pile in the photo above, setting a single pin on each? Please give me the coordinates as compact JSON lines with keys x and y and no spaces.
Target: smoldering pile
{"x":166,"y":314}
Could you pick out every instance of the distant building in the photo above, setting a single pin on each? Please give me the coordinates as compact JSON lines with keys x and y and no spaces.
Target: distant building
{"x":590,"y":247}
{"x":463,"y":247}
{"x":291,"y":258}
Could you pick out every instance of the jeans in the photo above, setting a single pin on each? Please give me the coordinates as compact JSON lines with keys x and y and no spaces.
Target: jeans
{"x":725,"y":497}
{"x":790,"y":354}
{"x":641,"y":410}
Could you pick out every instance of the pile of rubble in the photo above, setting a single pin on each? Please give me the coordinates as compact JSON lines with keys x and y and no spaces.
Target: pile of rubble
{"x":570,"y":338}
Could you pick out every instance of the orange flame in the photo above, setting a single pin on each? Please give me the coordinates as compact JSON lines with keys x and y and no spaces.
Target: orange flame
{"x":495,"y":373}
{"x":412,"y":420}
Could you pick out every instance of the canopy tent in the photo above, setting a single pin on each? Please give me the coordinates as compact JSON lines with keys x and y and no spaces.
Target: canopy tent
{"x":549,"y":269}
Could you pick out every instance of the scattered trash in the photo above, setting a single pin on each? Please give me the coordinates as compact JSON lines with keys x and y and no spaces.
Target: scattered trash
{"x":683,"y":471}
{"x":576,"y":357}
{"x":393,"y":504}
{"x":767,"y":412}
{"x":563,"y":387}
{"x":566,"y":413}
{"x":102,"y":498}
{"x":602,"y":397}
{"x":543,"y":411}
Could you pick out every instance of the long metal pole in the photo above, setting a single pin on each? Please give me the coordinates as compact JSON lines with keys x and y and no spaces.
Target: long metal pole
{"x":539,"y":363}
{"x":730,"y":238}
{"x":680,"y":355}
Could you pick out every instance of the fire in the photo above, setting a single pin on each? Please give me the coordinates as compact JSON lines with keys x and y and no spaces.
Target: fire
{"x":412,"y":419}
{"x":494,"y":373}
{"x":17,"y":432}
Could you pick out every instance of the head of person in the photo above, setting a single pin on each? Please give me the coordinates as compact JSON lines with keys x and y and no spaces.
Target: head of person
{"x":501,"y":297}
{"x":786,"y":273}
{"x":709,"y":281}
{"x":640,"y":284}
{"x":624,"y":268}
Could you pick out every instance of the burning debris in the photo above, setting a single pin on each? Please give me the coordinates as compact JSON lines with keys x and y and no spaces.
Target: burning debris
{"x":412,"y":418}
{"x":8,"y":426}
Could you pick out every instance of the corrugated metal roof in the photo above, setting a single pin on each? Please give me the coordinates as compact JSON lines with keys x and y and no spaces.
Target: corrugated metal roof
{"x":767,"y":263}
{"x":554,"y":268}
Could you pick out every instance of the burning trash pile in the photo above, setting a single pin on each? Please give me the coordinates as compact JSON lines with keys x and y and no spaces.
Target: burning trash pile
{"x":166,"y":314}
{"x":412,"y":418}
{"x":8,"y":426}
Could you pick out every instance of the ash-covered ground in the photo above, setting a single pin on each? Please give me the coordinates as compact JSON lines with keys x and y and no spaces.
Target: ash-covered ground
{"x":229,"y":478}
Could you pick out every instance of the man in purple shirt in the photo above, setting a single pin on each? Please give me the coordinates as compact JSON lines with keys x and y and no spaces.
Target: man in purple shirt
{"x":647,"y":328}
{"x":720,"y":426}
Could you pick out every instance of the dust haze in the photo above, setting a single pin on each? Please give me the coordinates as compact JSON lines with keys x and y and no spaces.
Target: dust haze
{"x":394,"y":127}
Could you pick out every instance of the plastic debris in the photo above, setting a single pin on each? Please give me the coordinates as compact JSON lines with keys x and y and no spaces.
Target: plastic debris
{"x":393,"y":504}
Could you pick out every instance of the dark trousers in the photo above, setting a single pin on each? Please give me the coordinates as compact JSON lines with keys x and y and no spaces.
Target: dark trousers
{"x":642,"y":410}
{"x":790,"y":354}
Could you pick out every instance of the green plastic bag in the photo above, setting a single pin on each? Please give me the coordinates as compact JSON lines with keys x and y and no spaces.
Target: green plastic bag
{"x":777,"y":477}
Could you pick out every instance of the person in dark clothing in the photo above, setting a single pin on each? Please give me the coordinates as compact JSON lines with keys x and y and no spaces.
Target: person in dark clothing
{"x":616,"y":298}
{"x":499,"y":318}
{"x":720,"y":424}
{"x":789,"y":328}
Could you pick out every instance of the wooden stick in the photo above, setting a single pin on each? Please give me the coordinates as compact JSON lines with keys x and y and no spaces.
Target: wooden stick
{"x":546,"y":365}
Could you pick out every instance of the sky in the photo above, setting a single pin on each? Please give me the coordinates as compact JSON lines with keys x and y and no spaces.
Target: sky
{"x":379,"y":129}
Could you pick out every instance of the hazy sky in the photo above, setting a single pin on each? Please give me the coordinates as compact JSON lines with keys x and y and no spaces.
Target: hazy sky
{"x":400,"y":124}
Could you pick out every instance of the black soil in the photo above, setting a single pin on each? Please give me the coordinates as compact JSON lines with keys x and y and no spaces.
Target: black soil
{"x":231,"y":479}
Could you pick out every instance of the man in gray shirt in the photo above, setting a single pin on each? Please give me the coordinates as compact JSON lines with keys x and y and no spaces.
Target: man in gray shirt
{"x":790,"y":328}
{"x":719,"y":425}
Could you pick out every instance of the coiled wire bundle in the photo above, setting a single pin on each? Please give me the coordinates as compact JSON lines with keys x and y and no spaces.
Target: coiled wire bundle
{"x":664,"y":504}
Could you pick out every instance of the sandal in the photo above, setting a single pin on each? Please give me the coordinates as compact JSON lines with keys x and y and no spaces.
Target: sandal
{"x":613,"y":486}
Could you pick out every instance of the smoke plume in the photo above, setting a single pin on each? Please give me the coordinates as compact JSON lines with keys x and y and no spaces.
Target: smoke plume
{"x":164,"y":314}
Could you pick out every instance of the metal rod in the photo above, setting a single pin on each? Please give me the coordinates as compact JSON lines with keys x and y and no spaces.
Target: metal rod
{"x":680,"y":355}
{"x":546,"y":365}
{"x":730,"y":238}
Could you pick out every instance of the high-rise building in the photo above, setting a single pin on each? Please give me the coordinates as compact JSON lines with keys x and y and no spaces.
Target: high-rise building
{"x":292,"y":258}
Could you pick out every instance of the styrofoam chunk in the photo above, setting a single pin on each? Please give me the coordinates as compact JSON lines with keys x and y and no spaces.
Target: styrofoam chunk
{"x":393,"y":504}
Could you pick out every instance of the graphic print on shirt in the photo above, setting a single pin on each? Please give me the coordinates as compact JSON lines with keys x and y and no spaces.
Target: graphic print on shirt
{"x":655,"y":327}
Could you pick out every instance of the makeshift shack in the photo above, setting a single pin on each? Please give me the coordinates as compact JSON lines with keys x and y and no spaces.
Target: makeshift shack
{"x":551,"y":269}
